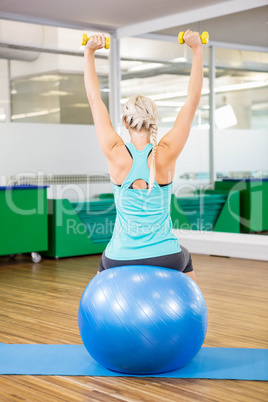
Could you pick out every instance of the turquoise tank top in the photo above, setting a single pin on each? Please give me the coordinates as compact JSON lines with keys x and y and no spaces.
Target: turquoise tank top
{"x":143,"y":226}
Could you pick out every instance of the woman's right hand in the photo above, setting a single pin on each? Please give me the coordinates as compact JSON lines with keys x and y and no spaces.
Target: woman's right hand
{"x":192,"y":39}
{"x":95,"y":42}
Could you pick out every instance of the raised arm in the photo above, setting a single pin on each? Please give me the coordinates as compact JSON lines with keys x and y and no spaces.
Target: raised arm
{"x":176,"y":138}
{"x":107,"y":137}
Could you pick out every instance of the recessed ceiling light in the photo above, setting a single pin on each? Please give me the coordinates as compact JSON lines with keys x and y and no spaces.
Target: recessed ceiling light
{"x":168,"y":119}
{"x":169,"y":104}
{"x":56,"y":93}
{"x":34,"y":114}
{"x":180,"y":60}
{"x":146,"y":66}
{"x":85,"y":105}
{"x":47,"y":78}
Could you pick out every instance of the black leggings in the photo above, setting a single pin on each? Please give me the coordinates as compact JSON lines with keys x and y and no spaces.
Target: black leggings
{"x":181,"y":261}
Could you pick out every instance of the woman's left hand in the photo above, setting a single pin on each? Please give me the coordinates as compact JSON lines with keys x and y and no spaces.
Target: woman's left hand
{"x":95,"y":42}
{"x":192,"y":39}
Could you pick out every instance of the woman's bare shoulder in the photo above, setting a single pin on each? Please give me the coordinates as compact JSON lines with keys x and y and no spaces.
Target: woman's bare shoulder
{"x":119,"y":155}
{"x":164,"y":154}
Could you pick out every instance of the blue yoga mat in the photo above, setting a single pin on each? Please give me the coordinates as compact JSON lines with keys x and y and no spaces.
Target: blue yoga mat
{"x":74,"y":360}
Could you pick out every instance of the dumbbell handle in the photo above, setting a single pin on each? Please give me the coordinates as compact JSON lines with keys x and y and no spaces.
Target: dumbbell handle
{"x":204,"y":37}
{"x":85,"y":39}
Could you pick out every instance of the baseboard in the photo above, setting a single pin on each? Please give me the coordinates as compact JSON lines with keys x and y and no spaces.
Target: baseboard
{"x":254,"y":247}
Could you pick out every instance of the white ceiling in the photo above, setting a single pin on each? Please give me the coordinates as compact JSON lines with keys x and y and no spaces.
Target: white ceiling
{"x":110,"y":13}
{"x":244,"y":27}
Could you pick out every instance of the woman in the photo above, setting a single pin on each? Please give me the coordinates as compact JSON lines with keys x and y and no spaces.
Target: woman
{"x":142,"y":171}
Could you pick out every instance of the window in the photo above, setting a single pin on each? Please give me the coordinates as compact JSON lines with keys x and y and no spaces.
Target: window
{"x":42,"y":77}
{"x":241,"y":115}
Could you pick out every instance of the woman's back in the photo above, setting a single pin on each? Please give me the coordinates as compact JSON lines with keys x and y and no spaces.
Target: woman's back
{"x":143,"y":226}
{"x":121,"y":164}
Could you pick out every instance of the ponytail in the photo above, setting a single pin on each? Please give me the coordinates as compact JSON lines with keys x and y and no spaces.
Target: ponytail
{"x":141,"y":112}
{"x":154,"y":130}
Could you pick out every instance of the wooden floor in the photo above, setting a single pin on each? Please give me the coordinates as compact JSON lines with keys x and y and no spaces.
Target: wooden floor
{"x":39,"y":304}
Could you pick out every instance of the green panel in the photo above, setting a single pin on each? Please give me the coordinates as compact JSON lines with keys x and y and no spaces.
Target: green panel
{"x":68,"y":236}
{"x":23,"y":217}
{"x":257,"y":206}
{"x":253,"y":202}
{"x":179,"y":220}
{"x":225,"y":185}
{"x":200,"y":210}
{"x":265,"y":205}
{"x":229,"y":218}
{"x":252,"y":208}
{"x":106,"y":195}
{"x":98,"y":216}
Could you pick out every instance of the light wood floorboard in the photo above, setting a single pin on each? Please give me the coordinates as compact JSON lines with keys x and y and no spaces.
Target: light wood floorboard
{"x":39,"y":304}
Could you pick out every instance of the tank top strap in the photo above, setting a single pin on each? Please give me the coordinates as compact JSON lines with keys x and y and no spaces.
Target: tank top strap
{"x":134,"y":150}
{"x":139,"y":169}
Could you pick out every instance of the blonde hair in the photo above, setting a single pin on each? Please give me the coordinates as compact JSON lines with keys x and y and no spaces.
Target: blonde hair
{"x":141,"y":112}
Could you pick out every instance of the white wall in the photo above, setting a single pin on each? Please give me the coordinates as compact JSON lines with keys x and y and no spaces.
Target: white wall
{"x":56,"y":149}
{"x":235,"y":151}
{"x":52,"y":149}
{"x":195,"y":155}
{"x":27,"y":148}
{"x":241,"y":150}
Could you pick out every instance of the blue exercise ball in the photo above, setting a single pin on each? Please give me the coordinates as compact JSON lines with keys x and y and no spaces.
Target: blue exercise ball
{"x":142,"y":319}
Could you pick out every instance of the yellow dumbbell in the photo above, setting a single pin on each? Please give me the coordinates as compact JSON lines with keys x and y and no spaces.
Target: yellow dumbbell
{"x":204,"y":37}
{"x":85,"y":39}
